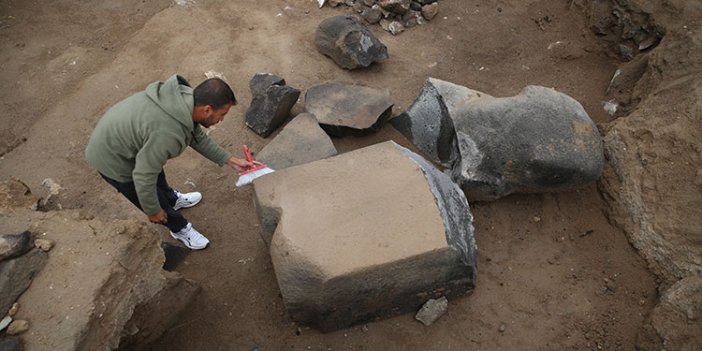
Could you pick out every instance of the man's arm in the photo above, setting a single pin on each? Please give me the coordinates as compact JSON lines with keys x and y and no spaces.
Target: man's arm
{"x":204,"y":145}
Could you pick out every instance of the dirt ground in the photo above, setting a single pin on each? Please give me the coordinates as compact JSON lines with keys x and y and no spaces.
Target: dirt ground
{"x":553,"y":273}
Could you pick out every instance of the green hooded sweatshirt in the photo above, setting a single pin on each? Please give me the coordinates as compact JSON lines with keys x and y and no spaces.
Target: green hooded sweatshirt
{"x":135,"y":138}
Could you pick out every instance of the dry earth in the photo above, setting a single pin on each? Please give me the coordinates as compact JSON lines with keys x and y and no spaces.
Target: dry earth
{"x":553,"y":273}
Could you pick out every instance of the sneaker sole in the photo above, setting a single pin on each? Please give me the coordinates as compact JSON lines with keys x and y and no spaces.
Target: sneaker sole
{"x":188,"y":245}
{"x":178,"y":207}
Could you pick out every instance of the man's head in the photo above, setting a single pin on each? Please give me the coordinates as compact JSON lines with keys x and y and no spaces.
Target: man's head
{"x":213,"y":99}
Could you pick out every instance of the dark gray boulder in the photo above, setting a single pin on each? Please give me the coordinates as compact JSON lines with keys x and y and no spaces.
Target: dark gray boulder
{"x":301,"y":141}
{"x":13,"y":245}
{"x":538,"y":141}
{"x":344,"y":109}
{"x":271,"y":103}
{"x":16,"y":275}
{"x":349,"y":43}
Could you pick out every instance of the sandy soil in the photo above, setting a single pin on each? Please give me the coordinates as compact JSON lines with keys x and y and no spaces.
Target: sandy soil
{"x":553,"y":273}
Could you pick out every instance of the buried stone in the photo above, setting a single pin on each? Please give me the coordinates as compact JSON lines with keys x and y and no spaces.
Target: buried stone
{"x":364,"y":235}
{"x":343,"y":109}
{"x":349,"y":43}
{"x":271,"y":103}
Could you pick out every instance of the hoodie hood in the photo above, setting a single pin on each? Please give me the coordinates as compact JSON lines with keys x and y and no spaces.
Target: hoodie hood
{"x":175,"y":97}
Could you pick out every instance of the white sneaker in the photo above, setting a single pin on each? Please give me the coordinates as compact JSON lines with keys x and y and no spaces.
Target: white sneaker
{"x":187,"y":200}
{"x":191,"y":237}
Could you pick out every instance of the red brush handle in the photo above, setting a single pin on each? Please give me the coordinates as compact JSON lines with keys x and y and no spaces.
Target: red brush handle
{"x":247,"y":153}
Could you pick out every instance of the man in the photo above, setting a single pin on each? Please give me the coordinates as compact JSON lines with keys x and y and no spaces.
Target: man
{"x":133,"y":140}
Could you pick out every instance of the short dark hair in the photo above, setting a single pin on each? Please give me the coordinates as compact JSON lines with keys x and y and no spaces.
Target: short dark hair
{"x":214,"y":92}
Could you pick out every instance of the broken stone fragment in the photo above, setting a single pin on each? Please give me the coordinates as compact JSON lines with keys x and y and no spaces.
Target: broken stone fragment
{"x":538,"y":141}
{"x":428,"y":122}
{"x":430,"y":11}
{"x":344,"y":109}
{"x":44,"y":244}
{"x":301,"y":141}
{"x":394,"y":27}
{"x":271,"y":103}
{"x":371,"y":15}
{"x":349,"y":43}
{"x":388,"y":218}
{"x":17,"y":327}
{"x":13,"y":310}
{"x":432,"y":310}
{"x":399,"y":7}
{"x":5,"y":322}
{"x":13,"y":245}
{"x":261,"y":81}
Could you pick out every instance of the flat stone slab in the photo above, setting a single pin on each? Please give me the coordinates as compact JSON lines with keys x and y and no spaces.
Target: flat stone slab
{"x":301,"y":141}
{"x":344,"y":109}
{"x":364,"y":235}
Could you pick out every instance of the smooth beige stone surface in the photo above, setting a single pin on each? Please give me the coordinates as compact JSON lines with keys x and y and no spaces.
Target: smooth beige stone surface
{"x":354,"y":211}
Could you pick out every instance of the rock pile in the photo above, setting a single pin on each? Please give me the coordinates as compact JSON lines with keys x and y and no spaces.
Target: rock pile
{"x":393,"y":16}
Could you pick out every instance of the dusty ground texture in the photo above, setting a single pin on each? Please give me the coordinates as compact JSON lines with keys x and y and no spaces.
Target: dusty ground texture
{"x":553,"y":273}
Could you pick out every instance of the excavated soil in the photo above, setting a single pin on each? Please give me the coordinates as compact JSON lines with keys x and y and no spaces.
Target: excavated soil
{"x":553,"y":273}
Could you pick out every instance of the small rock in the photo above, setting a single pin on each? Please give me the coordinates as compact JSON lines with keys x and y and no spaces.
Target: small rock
{"x":502,"y":328}
{"x":44,"y":244}
{"x":359,"y":7}
{"x":17,"y":327}
{"x":537,"y":219}
{"x":399,"y":7}
{"x":5,"y":322}
{"x":432,"y":310}
{"x":393,"y":27}
{"x":430,"y":11}
{"x":371,"y":15}
{"x":626,"y":52}
{"x":416,"y":6}
{"x":349,"y":43}
{"x":13,"y":310}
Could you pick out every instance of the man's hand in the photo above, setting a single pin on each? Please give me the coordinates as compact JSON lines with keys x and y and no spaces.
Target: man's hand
{"x":159,"y":217}
{"x":239,"y":164}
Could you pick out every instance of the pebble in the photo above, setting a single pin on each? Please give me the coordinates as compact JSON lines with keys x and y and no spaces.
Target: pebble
{"x":44,"y":244}
{"x":5,"y":322}
{"x":502,"y":328}
{"x":13,"y":310}
{"x":17,"y":327}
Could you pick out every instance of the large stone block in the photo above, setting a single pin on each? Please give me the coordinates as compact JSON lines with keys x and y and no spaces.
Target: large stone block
{"x":364,"y":235}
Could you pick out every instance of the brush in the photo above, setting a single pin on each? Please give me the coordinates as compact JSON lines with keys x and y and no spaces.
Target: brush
{"x":258,"y":169}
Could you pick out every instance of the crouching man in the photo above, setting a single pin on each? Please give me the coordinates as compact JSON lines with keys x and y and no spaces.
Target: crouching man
{"x":133,"y":140}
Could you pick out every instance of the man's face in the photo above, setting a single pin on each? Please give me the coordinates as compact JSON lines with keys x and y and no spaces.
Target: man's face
{"x":215,"y":116}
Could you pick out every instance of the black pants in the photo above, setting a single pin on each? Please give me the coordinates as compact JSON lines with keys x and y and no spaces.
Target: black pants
{"x":166,"y":198}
